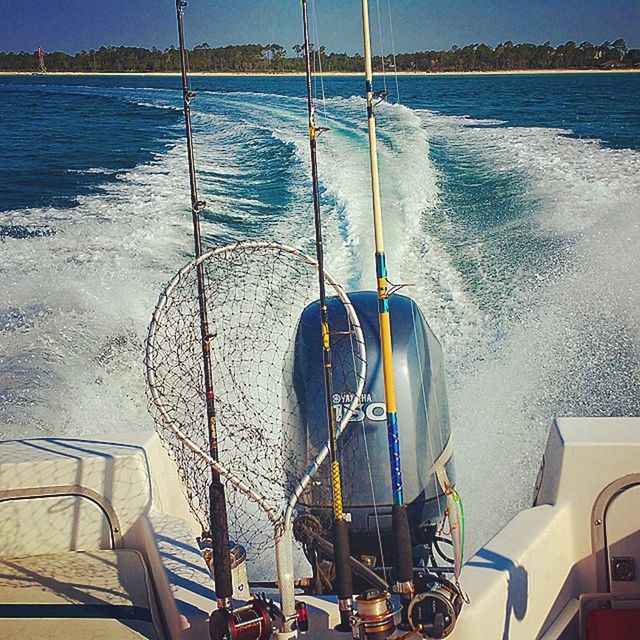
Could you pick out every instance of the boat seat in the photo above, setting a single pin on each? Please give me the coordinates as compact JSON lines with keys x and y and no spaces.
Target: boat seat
{"x":610,"y":623}
{"x":613,"y":624}
{"x":78,"y":595}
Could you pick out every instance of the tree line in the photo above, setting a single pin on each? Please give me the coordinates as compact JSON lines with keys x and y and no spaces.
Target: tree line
{"x":273,"y":58}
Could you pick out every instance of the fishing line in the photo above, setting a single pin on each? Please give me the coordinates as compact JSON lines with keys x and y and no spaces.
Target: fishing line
{"x":384,"y":73}
{"x":375,"y":504}
{"x":192,"y":93}
{"x":316,"y":35}
{"x":393,"y":49}
{"x":373,"y":494}
{"x":442,"y":485}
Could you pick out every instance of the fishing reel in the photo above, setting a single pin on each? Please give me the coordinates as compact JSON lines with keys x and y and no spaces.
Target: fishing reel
{"x":375,"y":619}
{"x":433,"y":611}
{"x":253,"y":621}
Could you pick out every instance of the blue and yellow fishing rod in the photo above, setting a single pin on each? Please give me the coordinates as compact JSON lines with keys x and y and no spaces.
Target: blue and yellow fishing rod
{"x":434,"y":610}
{"x":342,"y":558}
{"x":402,"y":559}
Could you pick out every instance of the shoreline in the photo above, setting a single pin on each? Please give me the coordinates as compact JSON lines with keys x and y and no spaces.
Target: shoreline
{"x":293,"y":74}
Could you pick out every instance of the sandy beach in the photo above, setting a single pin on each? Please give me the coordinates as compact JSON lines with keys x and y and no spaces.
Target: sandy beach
{"x":331,"y":74}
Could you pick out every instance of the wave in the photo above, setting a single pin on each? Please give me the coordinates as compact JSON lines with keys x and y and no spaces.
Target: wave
{"x":76,"y":302}
{"x":519,"y":245}
{"x":151,"y":105}
{"x":94,"y":170}
{"x":568,"y":342}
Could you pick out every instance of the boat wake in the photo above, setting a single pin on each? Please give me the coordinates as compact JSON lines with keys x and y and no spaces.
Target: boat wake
{"x":561,"y":240}
{"x":76,"y":301}
{"x":519,"y":245}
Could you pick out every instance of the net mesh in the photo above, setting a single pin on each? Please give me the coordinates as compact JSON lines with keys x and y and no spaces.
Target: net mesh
{"x":256,"y":293}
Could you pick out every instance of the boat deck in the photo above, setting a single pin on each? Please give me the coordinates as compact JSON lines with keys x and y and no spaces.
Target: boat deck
{"x":94,"y":534}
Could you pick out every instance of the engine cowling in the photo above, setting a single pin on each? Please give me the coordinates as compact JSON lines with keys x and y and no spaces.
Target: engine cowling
{"x":363,"y":449}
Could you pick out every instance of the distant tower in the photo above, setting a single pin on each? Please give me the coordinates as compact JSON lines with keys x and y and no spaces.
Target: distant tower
{"x":42,"y":69}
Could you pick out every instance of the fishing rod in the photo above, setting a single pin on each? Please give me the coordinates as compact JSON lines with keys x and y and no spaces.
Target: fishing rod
{"x":255,"y":619}
{"x":217,"y":502}
{"x":402,"y":550}
{"x":342,"y":561}
{"x":430,"y":604}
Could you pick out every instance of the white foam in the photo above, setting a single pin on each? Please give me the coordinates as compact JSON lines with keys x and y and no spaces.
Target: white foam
{"x":570,"y":342}
{"x":153,"y":105}
{"x":93,"y":170}
{"x":84,"y":294}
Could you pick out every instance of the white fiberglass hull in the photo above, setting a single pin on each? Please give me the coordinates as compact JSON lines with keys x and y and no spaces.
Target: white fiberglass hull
{"x":110,"y":515}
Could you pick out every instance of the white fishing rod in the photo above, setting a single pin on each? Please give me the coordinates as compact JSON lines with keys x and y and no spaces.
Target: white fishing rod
{"x":431,"y":610}
{"x":402,"y":562}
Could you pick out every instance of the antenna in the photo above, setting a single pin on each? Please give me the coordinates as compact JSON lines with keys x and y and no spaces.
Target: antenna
{"x":41,"y":66}
{"x":340,"y":528}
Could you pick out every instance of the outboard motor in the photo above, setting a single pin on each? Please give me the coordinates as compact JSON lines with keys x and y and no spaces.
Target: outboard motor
{"x":363,"y":447}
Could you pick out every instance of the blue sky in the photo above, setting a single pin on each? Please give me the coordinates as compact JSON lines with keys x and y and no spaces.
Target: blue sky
{"x":72,"y":25}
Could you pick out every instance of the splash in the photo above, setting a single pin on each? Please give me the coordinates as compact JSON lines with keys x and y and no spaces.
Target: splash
{"x":519,"y":243}
{"x":566,"y":341}
{"x":76,"y":301}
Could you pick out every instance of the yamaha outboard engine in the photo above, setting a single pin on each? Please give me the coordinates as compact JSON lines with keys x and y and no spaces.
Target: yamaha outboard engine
{"x":363,"y":447}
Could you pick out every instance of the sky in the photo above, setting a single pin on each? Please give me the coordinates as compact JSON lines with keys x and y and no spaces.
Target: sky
{"x":73,"y":25}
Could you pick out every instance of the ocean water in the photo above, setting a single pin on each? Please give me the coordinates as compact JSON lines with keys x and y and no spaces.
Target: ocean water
{"x":512,"y":208}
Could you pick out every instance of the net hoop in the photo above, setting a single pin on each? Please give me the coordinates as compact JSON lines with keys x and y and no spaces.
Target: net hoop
{"x":281,"y":520}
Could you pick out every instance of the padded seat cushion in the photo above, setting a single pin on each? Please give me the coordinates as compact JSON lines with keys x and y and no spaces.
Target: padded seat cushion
{"x":614,"y":624}
{"x":83,"y":594}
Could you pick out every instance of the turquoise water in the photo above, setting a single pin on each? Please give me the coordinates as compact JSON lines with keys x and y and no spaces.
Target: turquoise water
{"x":512,"y":207}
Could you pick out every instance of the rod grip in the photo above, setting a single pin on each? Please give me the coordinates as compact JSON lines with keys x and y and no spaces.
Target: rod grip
{"x":342,"y":559}
{"x":402,"y":560}
{"x":220,"y":541}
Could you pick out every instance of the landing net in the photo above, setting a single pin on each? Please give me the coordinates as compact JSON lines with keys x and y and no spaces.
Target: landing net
{"x":256,"y":293}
